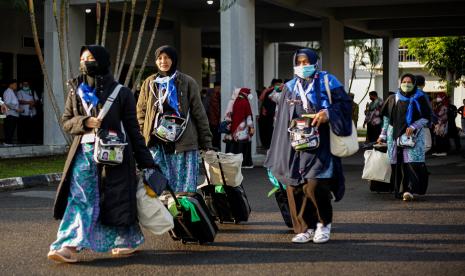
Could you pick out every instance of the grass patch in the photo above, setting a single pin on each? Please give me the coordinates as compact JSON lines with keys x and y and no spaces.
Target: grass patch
{"x":31,"y":166}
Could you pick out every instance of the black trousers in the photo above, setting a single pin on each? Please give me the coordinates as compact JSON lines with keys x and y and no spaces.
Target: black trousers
{"x":409,"y":177}
{"x":26,"y":129}
{"x":309,"y":204}
{"x":10,"y":125}
{"x":373,"y":132}
{"x":241,"y":147}
{"x":265,"y":124}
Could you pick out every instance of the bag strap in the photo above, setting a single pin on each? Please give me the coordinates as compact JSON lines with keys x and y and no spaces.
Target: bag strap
{"x":328,"y":91}
{"x":221,"y":169}
{"x":109,"y":102}
{"x":205,"y":169}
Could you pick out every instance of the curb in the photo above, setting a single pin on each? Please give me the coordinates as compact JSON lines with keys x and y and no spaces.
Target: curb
{"x":16,"y":183}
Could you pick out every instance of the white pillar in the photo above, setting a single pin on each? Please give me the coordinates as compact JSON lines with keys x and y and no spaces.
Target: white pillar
{"x":52,"y":132}
{"x":390,"y":65}
{"x":270,"y":62}
{"x":190,"y":58}
{"x":333,"y":48}
{"x":238,"y":53}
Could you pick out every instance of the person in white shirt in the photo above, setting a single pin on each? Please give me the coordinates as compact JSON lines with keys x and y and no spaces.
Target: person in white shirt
{"x":12,"y":114}
{"x":28,"y":100}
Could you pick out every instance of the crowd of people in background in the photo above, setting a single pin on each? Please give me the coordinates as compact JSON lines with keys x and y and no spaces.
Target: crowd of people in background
{"x":21,"y":108}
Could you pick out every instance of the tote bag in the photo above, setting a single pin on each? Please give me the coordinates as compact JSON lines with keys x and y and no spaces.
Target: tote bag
{"x":377,"y":166}
{"x":151,"y":212}
{"x":341,"y":146}
{"x":231,"y":164}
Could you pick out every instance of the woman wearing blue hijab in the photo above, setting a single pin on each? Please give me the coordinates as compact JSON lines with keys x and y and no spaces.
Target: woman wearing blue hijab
{"x":310,"y":175}
{"x":405,"y":114}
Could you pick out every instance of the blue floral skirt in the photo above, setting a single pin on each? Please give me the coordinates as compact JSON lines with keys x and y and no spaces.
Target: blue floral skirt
{"x":80,"y":226}
{"x":181,"y":169}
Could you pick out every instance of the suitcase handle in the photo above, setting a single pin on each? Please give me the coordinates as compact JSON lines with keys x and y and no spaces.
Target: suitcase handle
{"x":176,"y":201}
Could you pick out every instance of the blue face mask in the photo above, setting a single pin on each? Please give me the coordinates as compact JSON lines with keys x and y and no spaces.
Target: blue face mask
{"x":305,"y":71}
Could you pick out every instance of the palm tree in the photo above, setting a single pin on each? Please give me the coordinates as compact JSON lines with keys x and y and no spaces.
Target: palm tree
{"x":40,"y":56}
{"x":149,"y":48}
{"x":120,"y":40}
{"x":372,"y":53}
{"x":59,"y":23}
{"x":98,"y":14}
{"x":139,"y":39}
{"x":128,"y":40}
{"x":105,"y":22}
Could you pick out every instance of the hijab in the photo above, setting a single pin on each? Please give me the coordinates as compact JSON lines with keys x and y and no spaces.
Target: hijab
{"x":241,"y":109}
{"x":166,"y":80}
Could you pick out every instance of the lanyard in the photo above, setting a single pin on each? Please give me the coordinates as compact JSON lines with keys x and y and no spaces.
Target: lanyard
{"x":303,"y":94}
{"x":161,"y":98}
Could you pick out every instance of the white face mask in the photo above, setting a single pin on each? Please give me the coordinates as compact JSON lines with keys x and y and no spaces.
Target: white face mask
{"x":438,"y":99}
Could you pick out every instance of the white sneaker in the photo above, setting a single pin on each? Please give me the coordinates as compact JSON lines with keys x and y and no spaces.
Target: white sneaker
{"x":247,"y":167}
{"x":322,"y":233}
{"x":439,"y":154}
{"x":304,"y":237}
{"x":407,"y":196}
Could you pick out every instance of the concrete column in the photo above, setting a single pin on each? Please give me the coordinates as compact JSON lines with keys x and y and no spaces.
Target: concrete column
{"x":332,"y":48}
{"x":238,"y":53}
{"x":190,"y":49}
{"x":270,"y":62}
{"x":52,"y":133}
{"x":77,"y":28}
{"x":390,"y":65}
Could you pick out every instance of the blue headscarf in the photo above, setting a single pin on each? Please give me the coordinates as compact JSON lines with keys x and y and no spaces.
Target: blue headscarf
{"x":88,"y":94}
{"x":412,"y":103}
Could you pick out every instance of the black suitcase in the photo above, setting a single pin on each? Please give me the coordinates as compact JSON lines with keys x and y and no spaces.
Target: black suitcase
{"x":230,"y":206}
{"x":283,"y":204}
{"x":202,"y":231}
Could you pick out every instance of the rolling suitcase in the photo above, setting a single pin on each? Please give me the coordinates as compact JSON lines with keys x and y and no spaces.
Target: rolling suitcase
{"x":193,"y":222}
{"x":226,"y":203}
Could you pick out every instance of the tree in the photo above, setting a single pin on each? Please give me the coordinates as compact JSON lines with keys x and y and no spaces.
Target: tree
{"x":149,"y":48}
{"x":105,"y":22}
{"x":139,"y":39}
{"x":128,"y":41}
{"x":120,"y":39}
{"x":443,"y":57}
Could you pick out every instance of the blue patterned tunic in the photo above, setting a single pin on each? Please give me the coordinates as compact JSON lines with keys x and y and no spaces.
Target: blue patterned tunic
{"x":181,"y":169}
{"x":80,"y":226}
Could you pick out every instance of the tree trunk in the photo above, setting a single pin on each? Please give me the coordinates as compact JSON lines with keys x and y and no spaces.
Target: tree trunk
{"x":59,"y":22}
{"x":98,"y":14}
{"x":68,"y":40}
{"x":128,"y":40}
{"x":105,"y":22}
{"x":149,"y":49}
{"x":450,"y":81}
{"x":38,"y":50}
{"x":372,"y":71}
{"x":139,"y":39}
{"x":120,"y":40}
{"x":354,"y":69}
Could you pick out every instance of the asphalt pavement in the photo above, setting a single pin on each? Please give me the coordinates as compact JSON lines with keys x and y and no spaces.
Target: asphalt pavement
{"x":373,"y":234}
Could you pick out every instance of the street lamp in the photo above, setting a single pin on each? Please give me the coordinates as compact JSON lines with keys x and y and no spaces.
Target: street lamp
{"x":210,"y":2}
{"x":88,"y":11}
{"x":291,"y":24}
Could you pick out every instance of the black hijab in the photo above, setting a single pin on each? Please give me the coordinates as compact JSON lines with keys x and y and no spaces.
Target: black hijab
{"x":172,"y":54}
{"x":102,"y":57}
{"x":396,"y":110}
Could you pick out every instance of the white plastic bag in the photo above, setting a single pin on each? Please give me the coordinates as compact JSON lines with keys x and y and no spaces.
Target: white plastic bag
{"x":231,"y":164}
{"x":428,"y":140}
{"x":151,"y":212}
{"x":377,"y":166}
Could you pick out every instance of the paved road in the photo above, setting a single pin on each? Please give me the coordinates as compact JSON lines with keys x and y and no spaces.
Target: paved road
{"x":373,"y":234}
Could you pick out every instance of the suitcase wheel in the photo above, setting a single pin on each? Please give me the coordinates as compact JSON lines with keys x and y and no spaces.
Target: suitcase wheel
{"x":236,"y":221}
{"x":184,"y":241}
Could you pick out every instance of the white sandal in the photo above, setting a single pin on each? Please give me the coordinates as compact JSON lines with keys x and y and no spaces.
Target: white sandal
{"x":304,"y":237}
{"x":123,"y":251}
{"x":63,"y":255}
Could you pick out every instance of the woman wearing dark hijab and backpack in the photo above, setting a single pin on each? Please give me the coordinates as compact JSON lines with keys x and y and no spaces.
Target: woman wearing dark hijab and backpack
{"x":405,"y":114}
{"x":305,"y":165}
{"x":173,"y":121}
{"x":96,"y":201}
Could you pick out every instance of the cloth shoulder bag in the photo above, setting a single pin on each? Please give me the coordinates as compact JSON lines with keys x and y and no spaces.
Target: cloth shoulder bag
{"x":151,"y":212}
{"x":377,"y":166}
{"x":109,"y":146}
{"x":230,"y":164}
{"x":341,"y":146}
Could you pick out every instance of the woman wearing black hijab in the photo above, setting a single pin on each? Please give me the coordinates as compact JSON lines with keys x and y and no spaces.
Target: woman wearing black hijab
{"x":405,"y":114}
{"x":97,"y":203}
{"x":172,"y":93}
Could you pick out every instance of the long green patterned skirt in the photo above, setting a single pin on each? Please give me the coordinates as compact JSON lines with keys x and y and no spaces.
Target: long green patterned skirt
{"x":80,"y":226}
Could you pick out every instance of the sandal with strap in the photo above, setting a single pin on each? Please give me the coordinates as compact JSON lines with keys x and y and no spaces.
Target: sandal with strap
{"x":123,"y":251}
{"x":63,"y":255}
{"x":304,"y":237}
